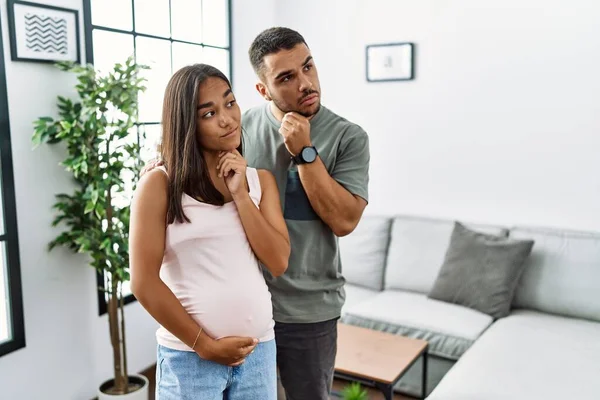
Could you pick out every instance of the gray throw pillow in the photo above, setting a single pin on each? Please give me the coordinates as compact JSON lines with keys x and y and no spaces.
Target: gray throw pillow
{"x":481,"y":271}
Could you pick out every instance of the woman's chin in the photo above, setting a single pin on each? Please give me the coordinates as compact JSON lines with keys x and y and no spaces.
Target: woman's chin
{"x":233,"y":143}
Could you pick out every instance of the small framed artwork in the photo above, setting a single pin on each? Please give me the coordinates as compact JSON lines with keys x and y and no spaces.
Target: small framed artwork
{"x":43,"y":33}
{"x":390,"y":62}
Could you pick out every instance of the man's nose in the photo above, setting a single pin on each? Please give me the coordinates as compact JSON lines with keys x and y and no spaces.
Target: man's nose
{"x":305,"y":84}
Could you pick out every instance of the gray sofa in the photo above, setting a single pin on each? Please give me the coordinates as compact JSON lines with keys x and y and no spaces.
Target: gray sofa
{"x":547,"y":348}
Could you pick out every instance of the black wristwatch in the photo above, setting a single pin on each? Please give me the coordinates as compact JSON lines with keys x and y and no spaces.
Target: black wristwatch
{"x":307,"y":155}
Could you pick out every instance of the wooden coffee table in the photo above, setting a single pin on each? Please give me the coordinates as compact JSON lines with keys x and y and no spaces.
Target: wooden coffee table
{"x":377,"y":358}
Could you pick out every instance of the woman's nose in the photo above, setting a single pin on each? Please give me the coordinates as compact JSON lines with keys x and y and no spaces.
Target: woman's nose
{"x":225,"y":121}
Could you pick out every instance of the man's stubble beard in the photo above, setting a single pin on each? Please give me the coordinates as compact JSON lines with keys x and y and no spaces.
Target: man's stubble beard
{"x":286,"y":110}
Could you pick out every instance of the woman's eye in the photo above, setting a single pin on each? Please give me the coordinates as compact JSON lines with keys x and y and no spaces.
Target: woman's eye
{"x":208,"y":114}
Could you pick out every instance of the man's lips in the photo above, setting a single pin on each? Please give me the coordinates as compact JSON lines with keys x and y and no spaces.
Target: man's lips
{"x":310,"y":97}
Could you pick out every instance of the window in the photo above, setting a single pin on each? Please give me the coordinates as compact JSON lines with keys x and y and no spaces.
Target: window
{"x":12,"y":331}
{"x":165,"y":35}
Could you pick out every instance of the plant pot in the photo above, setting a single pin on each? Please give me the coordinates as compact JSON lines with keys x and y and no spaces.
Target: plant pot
{"x":137,"y":383}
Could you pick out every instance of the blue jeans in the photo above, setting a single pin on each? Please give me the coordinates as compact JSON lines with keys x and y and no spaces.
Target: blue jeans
{"x":183,"y":375}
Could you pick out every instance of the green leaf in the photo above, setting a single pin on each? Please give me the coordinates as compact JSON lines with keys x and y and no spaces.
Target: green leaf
{"x":95,"y":195}
{"x":62,"y":134}
{"x":89,"y":207}
{"x":98,"y":211}
{"x":37,"y":138}
{"x":105,"y":244}
{"x":354,"y":391}
{"x":125,"y":275}
{"x":66,"y":125}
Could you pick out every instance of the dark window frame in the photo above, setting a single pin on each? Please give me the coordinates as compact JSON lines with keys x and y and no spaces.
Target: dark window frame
{"x":89,"y":57}
{"x":11,"y":236}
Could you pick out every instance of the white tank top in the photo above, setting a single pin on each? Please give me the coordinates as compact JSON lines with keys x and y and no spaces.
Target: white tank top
{"x":210,"y":267}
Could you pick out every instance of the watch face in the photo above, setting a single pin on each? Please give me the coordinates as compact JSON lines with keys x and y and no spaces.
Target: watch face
{"x":309,"y":154}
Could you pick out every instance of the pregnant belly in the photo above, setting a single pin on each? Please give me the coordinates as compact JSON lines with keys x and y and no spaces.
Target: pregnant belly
{"x":232,"y":312}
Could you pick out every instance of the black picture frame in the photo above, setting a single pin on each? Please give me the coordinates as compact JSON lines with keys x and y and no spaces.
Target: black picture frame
{"x":46,"y":38}
{"x":394,"y":53}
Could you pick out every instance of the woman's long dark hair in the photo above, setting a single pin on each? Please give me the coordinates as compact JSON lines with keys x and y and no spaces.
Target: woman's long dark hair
{"x":181,"y":151}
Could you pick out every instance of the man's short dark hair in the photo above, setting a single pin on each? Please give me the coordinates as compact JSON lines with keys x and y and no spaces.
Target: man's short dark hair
{"x":271,"y":41}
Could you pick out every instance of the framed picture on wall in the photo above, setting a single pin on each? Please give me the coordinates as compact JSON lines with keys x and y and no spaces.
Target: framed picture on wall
{"x":42,"y":33}
{"x":390,"y":62}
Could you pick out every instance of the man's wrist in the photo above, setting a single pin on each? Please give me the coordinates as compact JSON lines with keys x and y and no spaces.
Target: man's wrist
{"x":299,"y":149}
{"x":307,"y":155}
{"x":311,"y":165}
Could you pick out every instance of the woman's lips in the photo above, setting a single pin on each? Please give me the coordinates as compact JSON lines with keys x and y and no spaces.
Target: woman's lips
{"x":230,"y":133}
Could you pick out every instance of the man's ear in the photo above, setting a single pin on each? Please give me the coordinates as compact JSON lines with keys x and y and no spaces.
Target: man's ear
{"x":262,"y":90}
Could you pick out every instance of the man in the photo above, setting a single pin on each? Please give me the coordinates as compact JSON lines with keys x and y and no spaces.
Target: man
{"x":320,"y":161}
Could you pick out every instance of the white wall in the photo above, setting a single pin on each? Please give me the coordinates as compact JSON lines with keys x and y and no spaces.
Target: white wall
{"x":248,"y":19}
{"x":68,"y":352}
{"x":502,"y":123}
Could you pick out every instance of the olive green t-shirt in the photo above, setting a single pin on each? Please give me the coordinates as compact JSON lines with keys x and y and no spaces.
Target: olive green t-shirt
{"x":312,"y":289}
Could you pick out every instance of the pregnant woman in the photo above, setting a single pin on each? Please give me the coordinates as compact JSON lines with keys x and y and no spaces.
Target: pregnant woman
{"x":200,"y":223}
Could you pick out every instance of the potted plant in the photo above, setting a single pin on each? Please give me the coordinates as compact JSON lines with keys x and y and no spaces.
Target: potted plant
{"x":354,"y":391}
{"x":98,"y":131}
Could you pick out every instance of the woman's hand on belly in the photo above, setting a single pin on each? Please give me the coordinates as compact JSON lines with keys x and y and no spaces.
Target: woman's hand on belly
{"x":231,"y":350}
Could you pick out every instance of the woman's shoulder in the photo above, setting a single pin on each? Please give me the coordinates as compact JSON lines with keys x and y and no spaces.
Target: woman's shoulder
{"x":156,"y":176}
{"x":264,"y":173}
{"x":153,"y":183}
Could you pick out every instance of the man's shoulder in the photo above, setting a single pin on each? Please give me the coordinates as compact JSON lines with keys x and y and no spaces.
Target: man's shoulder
{"x":344,"y":125}
{"x":253,"y":114}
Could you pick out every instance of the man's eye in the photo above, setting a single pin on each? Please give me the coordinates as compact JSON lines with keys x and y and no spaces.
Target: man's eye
{"x":286,"y":79}
{"x":308,"y":67}
{"x":231,"y":103}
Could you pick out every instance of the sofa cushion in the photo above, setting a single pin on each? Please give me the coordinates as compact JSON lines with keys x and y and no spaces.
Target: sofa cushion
{"x":481,"y":271}
{"x":356,"y":294}
{"x":364,"y":251}
{"x":450,"y":329}
{"x":562,"y":275}
{"x":528,"y":356}
{"x":417,"y":249}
